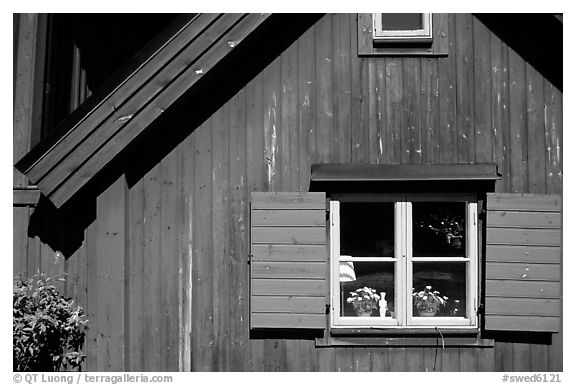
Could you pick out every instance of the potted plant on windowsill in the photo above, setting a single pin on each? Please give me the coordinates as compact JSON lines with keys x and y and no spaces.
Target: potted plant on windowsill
{"x":364,"y":301}
{"x":428,"y":302}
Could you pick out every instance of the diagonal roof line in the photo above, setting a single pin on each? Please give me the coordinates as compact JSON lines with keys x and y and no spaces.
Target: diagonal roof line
{"x":108,"y":103}
{"x":108,"y":129}
{"x":32,"y":161}
{"x":147,"y":91}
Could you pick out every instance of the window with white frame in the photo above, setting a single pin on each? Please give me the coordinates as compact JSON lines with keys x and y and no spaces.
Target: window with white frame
{"x":414,"y":27}
{"x":403,"y":261}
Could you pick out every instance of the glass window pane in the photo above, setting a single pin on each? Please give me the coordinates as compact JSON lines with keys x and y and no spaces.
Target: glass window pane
{"x":402,"y":21}
{"x":362,"y":286}
{"x":439,"y":289}
{"x":367,"y":229}
{"x":439,"y":229}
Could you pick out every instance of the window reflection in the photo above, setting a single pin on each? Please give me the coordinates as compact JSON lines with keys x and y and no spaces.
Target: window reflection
{"x":446,"y":280}
{"x":367,"y":229}
{"x":401,"y":21}
{"x":439,"y":229}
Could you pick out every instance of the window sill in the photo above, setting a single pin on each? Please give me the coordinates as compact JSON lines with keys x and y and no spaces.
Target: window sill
{"x":430,"y":331}
{"x":404,"y":338}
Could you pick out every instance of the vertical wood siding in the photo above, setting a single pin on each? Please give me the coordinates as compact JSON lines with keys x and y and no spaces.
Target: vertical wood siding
{"x":180,"y":299}
{"x":29,"y":50}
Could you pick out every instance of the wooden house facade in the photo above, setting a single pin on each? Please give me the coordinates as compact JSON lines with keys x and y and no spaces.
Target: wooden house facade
{"x":141,"y":183}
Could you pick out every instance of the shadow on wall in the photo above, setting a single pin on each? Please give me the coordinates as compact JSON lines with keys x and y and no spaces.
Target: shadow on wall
{"x":536,"y":338}
{"x":215,"y":89}
{"x":62,"y":229}
{"x":535,"y":37}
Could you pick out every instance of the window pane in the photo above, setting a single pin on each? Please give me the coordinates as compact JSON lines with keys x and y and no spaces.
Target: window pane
{"x":402,"y":21}
{"x":367,"y":229}
{"x":377,"y":276}
{"x":439,"y":229}
{"x":446,"y":280}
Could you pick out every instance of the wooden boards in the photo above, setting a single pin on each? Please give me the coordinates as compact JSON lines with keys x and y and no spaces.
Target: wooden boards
{"x":110,"y":271}
{"x":26,"y":196}
{"x":379,"y":86}
{"x":523,"y":257}
{"x":74,"y":164}
{"x":29,"y":52}
{"x":289,"y":262}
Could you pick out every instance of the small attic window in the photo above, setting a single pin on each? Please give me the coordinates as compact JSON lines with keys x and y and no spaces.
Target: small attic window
{"x":402,"y":27}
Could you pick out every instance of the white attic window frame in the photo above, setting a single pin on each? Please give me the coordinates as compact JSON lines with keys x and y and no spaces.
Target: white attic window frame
{"x":380,"y":34}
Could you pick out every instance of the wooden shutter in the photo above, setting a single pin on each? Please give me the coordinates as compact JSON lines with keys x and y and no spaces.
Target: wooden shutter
{"x":523,"y":257}
{"x":289,"y":263}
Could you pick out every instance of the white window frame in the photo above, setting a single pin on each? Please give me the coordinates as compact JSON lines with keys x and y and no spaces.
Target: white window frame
{"x":379,"y":32}
{"x":403,"y":264}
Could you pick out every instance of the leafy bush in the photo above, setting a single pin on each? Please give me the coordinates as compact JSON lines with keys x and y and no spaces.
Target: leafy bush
{"x":48,"y":330}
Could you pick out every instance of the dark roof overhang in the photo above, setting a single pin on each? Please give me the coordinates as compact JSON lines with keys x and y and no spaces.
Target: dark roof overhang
{"x":476,"y":178}
{"x":338,"y":172}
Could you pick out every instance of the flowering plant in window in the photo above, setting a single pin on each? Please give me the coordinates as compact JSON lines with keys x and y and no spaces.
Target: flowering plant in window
{"x":428,"y":302}
{"x":364,"y":301}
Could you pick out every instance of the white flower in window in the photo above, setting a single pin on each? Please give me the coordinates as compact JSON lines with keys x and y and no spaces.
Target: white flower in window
{"x":428,"y":302}
{"x":364,"y":301}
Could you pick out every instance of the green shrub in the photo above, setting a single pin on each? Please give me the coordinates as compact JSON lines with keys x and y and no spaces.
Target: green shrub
{"x":48,"y":330}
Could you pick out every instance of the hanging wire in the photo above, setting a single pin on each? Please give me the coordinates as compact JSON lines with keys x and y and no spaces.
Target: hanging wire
{"x":441,"y":336}
{"x":436,"y":350}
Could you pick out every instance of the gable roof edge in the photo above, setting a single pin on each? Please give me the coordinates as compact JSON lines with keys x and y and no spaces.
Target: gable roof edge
{"x":108,"y":129}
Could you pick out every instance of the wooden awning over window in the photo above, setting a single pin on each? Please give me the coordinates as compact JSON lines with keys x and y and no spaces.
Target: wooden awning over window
{"x":337,"y":172}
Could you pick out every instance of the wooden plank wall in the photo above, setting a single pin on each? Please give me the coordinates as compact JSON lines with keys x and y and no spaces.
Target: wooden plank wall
{"x":289,"y":260}
{"x":518,"y":276}
{"x":184,"y":294}
{"x":28,"y":76}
